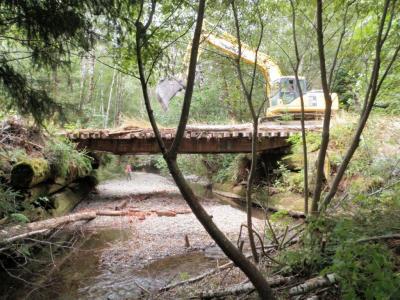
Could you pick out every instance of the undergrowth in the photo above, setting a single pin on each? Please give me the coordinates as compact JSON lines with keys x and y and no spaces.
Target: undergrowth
{"x":8,"y":200}
{"x":334,"y":244}
{"x":66,"y":161}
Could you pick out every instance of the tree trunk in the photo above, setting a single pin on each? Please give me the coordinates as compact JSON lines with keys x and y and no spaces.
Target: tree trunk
{"x":82,"y":84}
{"x":170,"y":155}
{"x":327,"y":116}
{"x":92,"y":63}
{"x":30,"y":172}
{"x":303,"y":131}
{"x":227,"y":247}
{"x":249,"y":190}
{"x":110,"y":99}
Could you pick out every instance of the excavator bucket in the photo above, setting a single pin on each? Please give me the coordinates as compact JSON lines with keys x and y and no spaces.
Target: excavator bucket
{"x":166,"y":89}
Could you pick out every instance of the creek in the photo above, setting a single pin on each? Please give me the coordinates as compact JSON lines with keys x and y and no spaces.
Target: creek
{"x":98,"y":266}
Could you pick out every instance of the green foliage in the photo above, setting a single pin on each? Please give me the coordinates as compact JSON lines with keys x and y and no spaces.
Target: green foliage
{"x":44,"y":32}
{"x":227,"y":167}
{"x":8,"y":200}
{"x":184,"y":276}
{"x":18,"y":154}
{"x":111,"y":167}
{"x":25,"y":99}
{"x":365,"y":271}
{"x":20,"y":218}
{"x":286,"y":117}
{"x":289,"y":180}
{"x":161,"y":165}
{"x":331,"y":245}
{"x":345,"y":85}
{"x":43,"y":202}
{"x":275,"y":217}
{"x":66,"y":160}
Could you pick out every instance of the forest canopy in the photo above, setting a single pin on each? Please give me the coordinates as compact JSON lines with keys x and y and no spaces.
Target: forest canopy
{"x":62,"y":58}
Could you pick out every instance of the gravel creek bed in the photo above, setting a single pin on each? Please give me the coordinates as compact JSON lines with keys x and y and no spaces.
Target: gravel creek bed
{"x":154,"y":246}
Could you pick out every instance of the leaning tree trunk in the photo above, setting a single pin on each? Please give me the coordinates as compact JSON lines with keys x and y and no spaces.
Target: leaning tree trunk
{"x":170,"y":155}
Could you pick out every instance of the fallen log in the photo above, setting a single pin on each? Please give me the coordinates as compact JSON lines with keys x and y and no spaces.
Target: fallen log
{"x":64,"y":201}
{"x":242,"y":288}
{"x":19,"y":232}
{"x":134,"y":212}
{"x":379,"y":238}
{"x":141,"y":215}
{"x":313,"y":284}
{"x":292,"y":213}
{"x":30,"y":172}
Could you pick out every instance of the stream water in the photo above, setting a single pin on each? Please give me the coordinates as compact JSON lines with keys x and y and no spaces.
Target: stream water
{"x":82,"y":274}
{"x":89,"y":271}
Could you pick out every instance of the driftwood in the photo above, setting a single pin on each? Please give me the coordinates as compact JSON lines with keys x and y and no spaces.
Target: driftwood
{"x":313,"y":284}
{"x":19,"y":232}
{"x":138,"y":213}
{"x":242,"y":288}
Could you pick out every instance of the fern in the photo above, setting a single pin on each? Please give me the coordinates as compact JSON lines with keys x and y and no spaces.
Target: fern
{"x":8,"y":200}
{"x":66,"y":160}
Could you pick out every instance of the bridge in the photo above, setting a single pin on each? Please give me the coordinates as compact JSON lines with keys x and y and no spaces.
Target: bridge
{"x":197,"y":138}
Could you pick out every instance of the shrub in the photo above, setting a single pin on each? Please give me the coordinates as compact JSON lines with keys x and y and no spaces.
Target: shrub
{"x":365,"y":271}
{"x":66,"y":161}
{"x":8,"y":200}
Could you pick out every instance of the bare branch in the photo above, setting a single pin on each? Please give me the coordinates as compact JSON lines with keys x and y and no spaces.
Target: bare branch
{"x":303,"y":130}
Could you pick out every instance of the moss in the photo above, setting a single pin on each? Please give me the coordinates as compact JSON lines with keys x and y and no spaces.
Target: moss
{"x":30,"y":172}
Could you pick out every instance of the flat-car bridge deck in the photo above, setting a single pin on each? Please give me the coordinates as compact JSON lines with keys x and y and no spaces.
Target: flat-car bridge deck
{"x":197,"y":138}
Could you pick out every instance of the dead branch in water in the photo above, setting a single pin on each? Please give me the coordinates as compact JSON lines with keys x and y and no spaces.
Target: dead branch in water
{"x":200,"y":277}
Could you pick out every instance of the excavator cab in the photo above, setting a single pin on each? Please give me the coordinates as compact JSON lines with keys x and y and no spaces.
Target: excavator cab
{"x":284,"y":90}
{"x":285,"y":99}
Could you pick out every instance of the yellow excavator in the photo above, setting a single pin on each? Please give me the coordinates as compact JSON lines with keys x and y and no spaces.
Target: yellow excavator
{"x":283,"y":92}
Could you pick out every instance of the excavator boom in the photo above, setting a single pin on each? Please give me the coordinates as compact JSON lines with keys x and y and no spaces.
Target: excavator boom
{"x":227,"y":44}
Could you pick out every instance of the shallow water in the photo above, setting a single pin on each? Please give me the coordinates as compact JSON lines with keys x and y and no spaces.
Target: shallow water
{"x":87,"y":272}
{"x":84,"y":276}
{"x":200,"y":190}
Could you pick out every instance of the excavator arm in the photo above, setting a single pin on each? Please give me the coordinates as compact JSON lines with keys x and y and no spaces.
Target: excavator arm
{"x":228,"y":45}
{"x":283,"y":91}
